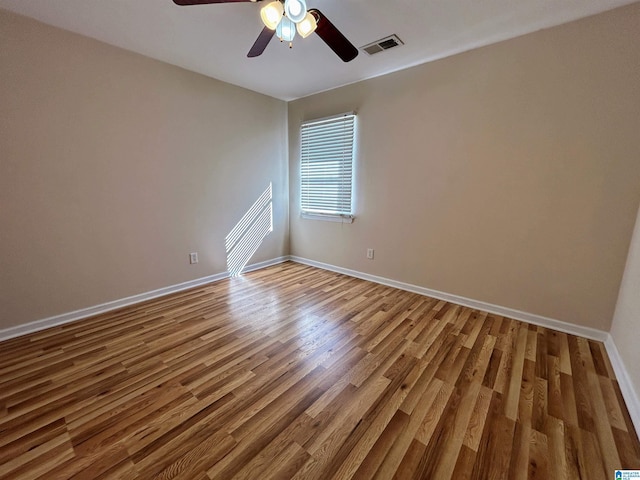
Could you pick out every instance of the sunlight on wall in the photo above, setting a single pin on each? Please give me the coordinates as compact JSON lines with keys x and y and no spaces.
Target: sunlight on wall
{"x":245,"y":238}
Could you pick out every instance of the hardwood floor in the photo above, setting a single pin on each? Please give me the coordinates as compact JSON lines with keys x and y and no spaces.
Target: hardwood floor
{"x":297,"y":373}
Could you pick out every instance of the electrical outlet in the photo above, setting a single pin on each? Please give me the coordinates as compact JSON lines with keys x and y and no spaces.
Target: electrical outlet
{"x":370,"y":253}
{"x":193,"y":258}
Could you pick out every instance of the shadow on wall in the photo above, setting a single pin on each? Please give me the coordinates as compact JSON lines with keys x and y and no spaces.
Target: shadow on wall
{"x":245,"y":238}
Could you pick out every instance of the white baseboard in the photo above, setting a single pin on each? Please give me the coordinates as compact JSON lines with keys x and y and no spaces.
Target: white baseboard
{"x":631,"y":397}
{"x":559,"y":325}
{"x":37,"y":325}
{"x":49,"y":322}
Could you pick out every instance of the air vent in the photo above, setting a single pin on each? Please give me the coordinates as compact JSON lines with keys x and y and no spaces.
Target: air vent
{"x":383,"y":44}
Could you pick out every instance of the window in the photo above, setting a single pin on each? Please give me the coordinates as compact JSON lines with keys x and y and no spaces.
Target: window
{"x":326,"y":167}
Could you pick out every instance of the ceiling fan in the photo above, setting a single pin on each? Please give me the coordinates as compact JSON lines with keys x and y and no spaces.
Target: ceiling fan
{"x":284,"y":17}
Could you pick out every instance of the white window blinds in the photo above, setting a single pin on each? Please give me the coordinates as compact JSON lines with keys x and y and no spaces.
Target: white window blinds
{"x":326,"y":165}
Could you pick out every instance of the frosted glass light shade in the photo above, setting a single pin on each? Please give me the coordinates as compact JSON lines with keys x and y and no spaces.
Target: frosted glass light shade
{"x":307,"y":26}
{"x":271,"y":14}
{"x":286,"y":30}
{"x":295,"y":10}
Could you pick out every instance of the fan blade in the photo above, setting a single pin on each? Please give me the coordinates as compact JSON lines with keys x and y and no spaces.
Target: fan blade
{"x":336,"y":41}
{"x":207,"y":2}
{"x":261,"y":42}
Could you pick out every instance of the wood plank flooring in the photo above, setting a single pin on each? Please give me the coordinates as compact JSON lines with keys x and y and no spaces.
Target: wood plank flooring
{"x":297,"y":373}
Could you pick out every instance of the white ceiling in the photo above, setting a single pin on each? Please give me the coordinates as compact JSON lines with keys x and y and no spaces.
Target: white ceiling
{"x":214,"y":39}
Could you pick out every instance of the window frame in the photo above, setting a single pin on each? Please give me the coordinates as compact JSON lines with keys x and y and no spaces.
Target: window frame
{"x":349,"y":119}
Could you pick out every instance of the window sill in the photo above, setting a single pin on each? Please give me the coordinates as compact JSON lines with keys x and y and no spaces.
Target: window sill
{"x":328,"y":217}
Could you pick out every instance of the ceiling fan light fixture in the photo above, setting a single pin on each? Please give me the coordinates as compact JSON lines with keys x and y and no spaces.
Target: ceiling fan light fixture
{"x":286,"y":30}
{"x":307,"y":26}
{"x":271,"y":14}
{"x":296,"y":10}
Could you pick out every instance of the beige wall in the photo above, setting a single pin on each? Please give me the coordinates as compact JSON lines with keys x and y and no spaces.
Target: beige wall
{"x":509,"y":174}
{"x":625,"y":329}
{"x":113,"y":167}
